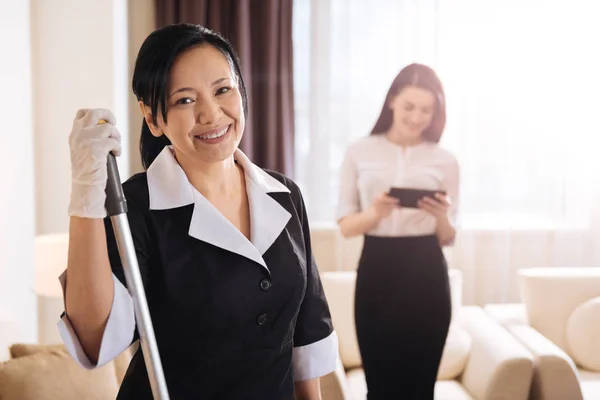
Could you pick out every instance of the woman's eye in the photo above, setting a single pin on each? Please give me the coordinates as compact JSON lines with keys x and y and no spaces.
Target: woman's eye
{"x":223,"y":90}
{"x":184,"y":100}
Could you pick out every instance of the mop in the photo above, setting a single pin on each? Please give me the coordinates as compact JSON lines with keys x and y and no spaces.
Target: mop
{"x":116,"y":208}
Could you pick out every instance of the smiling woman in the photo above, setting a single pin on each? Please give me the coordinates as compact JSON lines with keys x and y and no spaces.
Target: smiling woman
{"x":238,"y":311}
{"x":206,"y":122}
{"x":208,"y":74}
{"x":402,"y":269}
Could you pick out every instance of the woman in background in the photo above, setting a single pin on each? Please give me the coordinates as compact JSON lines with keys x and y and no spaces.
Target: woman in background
{"x":402,"y":305}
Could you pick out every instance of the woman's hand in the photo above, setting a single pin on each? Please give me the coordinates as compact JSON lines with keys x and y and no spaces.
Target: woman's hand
{"x":361,"y":222}
{"x":90,"y":145}
{"x":383,"y":205}
{"x":438,"y":208}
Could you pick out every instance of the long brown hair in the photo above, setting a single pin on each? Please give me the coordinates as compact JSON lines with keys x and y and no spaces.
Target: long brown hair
{"x":423,"y":77}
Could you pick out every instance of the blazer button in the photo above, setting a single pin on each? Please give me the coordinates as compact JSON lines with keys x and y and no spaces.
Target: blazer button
{"x":262,"y":319}
{"x":265,"y":284}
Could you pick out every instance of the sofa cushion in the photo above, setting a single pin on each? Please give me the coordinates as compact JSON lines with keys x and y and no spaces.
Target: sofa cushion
{"x":23,"y":349}
{"x":583,"y":334}
{"x":53,"y":374}
{"x":456,"y":353}
{"x":121,"y":363}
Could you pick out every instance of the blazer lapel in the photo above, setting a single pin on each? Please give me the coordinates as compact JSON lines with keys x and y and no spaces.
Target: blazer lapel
{"x":210,"y":226}
{"x":269,"y":218}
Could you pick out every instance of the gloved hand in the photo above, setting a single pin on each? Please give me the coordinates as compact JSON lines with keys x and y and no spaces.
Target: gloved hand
{"x":90,"y":145}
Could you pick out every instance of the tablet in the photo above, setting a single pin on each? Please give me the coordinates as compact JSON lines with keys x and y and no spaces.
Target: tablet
{"x":410,"y":197}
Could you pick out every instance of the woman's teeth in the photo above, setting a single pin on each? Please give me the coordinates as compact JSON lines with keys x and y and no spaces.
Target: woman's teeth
{"x":215,"y":135}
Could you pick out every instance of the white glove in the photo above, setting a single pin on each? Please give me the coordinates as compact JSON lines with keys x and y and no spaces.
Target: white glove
{"x":90,"y":145}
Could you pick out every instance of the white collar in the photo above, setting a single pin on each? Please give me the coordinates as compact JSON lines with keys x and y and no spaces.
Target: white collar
{"x":168,"y":187}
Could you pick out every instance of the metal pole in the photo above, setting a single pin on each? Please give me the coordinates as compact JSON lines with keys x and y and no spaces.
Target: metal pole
{"x":116,"y":207}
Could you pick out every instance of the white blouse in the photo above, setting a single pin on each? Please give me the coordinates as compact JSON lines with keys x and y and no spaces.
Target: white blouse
{"x":374,"y":164}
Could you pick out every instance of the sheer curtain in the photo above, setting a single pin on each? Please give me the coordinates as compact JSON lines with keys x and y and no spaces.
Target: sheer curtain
{"x":522,"y":82}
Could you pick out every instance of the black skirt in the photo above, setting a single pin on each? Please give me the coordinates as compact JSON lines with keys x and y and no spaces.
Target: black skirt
{"x":402,"y":311}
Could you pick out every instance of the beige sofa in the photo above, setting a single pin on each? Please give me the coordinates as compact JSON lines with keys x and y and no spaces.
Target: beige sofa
{"x":559,"y":322}
{"x":481,"y":360}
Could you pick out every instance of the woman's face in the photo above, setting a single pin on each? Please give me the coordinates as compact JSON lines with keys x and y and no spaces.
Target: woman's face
{"x":413,"y":110}
{"x":204,"y":107}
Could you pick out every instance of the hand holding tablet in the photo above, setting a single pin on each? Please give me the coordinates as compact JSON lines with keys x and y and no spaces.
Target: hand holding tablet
{"x":409,"y":198}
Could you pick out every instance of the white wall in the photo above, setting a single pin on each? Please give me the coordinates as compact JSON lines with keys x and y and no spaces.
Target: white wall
{"x":79,"y":61}
{"x":53,"y":69}
{"x":17,"y":218}
{"x":82,"y":63}
{"x":141,"y":24}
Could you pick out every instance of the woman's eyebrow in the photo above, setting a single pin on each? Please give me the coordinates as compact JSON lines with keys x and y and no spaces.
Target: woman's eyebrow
{"x":220,"y":80}
{"x":189,"y":89}
{"x":184,"y":89}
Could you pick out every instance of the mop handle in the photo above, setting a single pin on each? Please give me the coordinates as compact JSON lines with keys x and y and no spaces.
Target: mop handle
{"x":116,"y":203}
{"x":116,"y":208}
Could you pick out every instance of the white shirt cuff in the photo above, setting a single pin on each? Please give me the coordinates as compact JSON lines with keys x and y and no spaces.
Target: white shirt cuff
{"x":118,"y":333}
{"x":316,"y":359}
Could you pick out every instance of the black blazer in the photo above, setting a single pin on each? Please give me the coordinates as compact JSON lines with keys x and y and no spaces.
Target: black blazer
{"x":232,"y":319}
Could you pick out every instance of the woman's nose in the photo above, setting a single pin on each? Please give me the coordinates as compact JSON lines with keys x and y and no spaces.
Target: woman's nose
{"x":415,"y":118}
{"x":207,"y":112}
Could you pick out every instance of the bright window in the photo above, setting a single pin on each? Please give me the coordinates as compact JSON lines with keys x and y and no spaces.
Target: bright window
{"x":522,"y":86}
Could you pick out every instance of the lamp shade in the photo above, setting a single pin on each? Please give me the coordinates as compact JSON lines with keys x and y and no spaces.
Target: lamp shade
{"x":51,"y":253}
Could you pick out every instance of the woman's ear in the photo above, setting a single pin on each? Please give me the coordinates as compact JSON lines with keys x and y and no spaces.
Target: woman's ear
{"x":147,"y":114}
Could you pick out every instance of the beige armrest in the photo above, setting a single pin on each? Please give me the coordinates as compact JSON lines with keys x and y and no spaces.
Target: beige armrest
{"x":499,"y":367}
{"x":555,"y":374}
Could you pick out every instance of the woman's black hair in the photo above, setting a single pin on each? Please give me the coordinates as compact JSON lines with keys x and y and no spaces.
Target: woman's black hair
{"x":152,"y":69}
{"x":423,"y":77}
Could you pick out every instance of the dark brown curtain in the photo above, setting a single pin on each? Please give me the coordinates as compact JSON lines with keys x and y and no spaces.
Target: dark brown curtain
{"x":261,"y":33}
